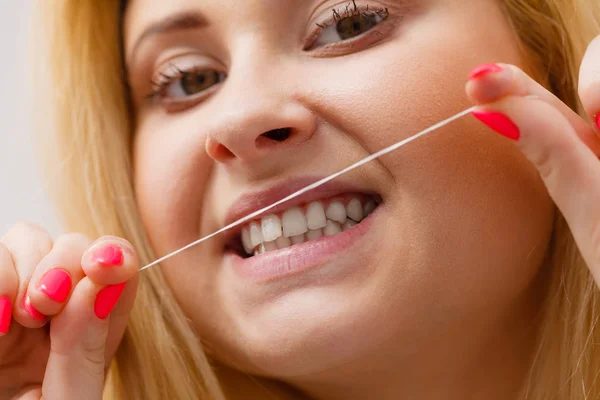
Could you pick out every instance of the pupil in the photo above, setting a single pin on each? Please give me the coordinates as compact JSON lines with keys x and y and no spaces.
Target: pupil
{"x":193,"y":83}
{"x":355,"y":25}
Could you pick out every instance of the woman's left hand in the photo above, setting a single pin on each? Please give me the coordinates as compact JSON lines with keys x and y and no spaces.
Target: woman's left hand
{"x":563,"y":146}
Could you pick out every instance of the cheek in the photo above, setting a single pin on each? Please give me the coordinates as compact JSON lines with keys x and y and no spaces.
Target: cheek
{"x":171,"y":171}
{"x":471,"y":208}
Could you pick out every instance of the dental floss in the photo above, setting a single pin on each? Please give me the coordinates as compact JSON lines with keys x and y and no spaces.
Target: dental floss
{"x":315,"y":185}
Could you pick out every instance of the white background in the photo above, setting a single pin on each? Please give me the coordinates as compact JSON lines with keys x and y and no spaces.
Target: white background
{"x":21,"y":194}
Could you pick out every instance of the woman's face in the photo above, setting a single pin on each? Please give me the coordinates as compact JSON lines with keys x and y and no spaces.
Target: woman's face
{"x":252,"y":100}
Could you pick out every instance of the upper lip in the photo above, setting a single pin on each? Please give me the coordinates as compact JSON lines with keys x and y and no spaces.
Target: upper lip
{"x":251,"y":202}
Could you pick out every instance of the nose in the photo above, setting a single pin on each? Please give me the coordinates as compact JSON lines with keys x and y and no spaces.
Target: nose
{"x":263,"y":120}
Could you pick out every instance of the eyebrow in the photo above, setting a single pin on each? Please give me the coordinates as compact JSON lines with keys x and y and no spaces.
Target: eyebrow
{"x":178,"y":22}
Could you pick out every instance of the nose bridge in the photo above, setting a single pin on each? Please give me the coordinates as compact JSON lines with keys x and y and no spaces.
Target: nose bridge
{"x":258,"y":100}
{"x":256,"y":93}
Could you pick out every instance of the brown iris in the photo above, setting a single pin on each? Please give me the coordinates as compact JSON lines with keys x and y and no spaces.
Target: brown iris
{"x":355,"y":25}
{"x":196,"y":82}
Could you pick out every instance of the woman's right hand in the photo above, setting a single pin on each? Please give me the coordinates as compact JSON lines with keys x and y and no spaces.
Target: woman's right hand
{"x":56,"y":337}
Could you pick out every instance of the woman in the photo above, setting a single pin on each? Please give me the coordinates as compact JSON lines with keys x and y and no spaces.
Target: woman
{"x":446,"y":270}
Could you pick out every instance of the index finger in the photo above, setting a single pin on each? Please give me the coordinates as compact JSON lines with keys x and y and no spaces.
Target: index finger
{"x":589,"y":81}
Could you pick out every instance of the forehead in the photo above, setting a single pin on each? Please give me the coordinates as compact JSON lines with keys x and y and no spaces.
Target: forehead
{"x":144,"y":18}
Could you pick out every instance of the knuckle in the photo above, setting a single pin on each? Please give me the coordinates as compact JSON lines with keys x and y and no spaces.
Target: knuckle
{"x":25,"y":228}
{"x":27,"y":238}
{"x":71,"y":240}
{"x":549,"y":157}
{"x":8,"y":274}
{"x":6,"y":258}
{"x":30,"y":232}
{"x":543,"y":162}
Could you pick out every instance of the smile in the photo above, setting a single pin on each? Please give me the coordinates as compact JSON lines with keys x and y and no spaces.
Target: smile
{"x":304,"y":223}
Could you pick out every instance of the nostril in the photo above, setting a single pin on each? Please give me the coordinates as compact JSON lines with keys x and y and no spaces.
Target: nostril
{"x":217,"y":151}
{"x":279,"y":135}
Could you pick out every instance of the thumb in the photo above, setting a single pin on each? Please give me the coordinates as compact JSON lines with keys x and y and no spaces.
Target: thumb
{"x":78,"y":337}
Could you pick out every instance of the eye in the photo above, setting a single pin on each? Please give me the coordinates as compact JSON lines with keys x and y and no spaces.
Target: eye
{"x":190,"y":83}
{"x":350,"y":24}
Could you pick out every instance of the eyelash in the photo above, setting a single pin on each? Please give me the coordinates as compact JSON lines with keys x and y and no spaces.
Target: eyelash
{"x":166,"y":79}
{"x":350,"y":10}
{"x":353,"y":10}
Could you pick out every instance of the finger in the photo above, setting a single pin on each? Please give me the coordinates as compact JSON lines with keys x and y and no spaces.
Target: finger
{"x":589,"y":81}
{"x":569,"y":169}
{"x":28,"y":244}
{"x":9,"y":283}
{"x":493,"y":82}
{"x":110,"y":260}
{"x":78,"y":337}
{"x":57,"y":274}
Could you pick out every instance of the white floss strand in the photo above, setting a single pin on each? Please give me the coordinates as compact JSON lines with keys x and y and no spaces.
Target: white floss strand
{"x":315,"y":185}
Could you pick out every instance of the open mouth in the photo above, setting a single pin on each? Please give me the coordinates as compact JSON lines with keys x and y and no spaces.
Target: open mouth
{"x":303,"y":223}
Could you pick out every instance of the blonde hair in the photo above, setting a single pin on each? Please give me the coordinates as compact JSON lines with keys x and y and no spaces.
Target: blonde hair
{"x":86,"y":140}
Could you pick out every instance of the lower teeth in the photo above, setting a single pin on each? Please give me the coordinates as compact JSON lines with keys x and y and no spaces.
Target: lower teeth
{"x":331,"y":228}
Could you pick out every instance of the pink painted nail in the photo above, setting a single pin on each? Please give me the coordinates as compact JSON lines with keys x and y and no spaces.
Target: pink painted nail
{"x":5,"y":315}
{"x":483,"y":70}
{"x":56,"y":284}
{"x":110,"y":256}
{"x":598,"y":120}
{"x":31,"y":310}
{"x":107,"y":299}
{"x":500,"y":123}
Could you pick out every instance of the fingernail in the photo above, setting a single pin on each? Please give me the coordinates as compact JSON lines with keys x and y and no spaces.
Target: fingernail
{"x":110,"y":256}
{"x":5,"y":315}
{"x":31,"y":310}
{"x":56,"y":284}
{"x":484,"y":69}
{"x":107,"y":299}
{"x":499,"y":122}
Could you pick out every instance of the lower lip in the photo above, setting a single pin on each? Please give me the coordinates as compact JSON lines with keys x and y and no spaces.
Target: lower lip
{"x":277,"y":264}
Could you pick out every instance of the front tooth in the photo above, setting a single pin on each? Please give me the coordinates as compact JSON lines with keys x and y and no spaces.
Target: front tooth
{"x":313,"y":234}
{"x":315,"y":215}
{"x":368,"y":208}
{"x":283,"y":242}
{"x":354,"y":210}
{"x":294,"y":222}
{"x":269,"y":246}
{"x":348,"y":224}
{"x":297,"y":239}
{"x":332,"y":228}
{"x":336,"y":212}
{"x":271,"y":227}
{"x":246,"y":241}
{"x":256,"y":236}
{"x":260,"y":249}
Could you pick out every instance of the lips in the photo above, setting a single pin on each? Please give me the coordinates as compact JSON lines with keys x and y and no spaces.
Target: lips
{"x":326,"y":211}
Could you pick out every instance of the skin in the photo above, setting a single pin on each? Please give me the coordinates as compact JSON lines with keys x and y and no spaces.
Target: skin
{"x":458,"y":253}
{"x":440,"y":308}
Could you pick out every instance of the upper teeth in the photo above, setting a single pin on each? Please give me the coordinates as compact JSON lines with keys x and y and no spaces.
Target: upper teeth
{"x":297,"y":225}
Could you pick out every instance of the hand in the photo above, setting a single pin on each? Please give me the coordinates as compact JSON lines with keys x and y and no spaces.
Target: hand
{"x":56,"y":334}
{"x":563,"y":146}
